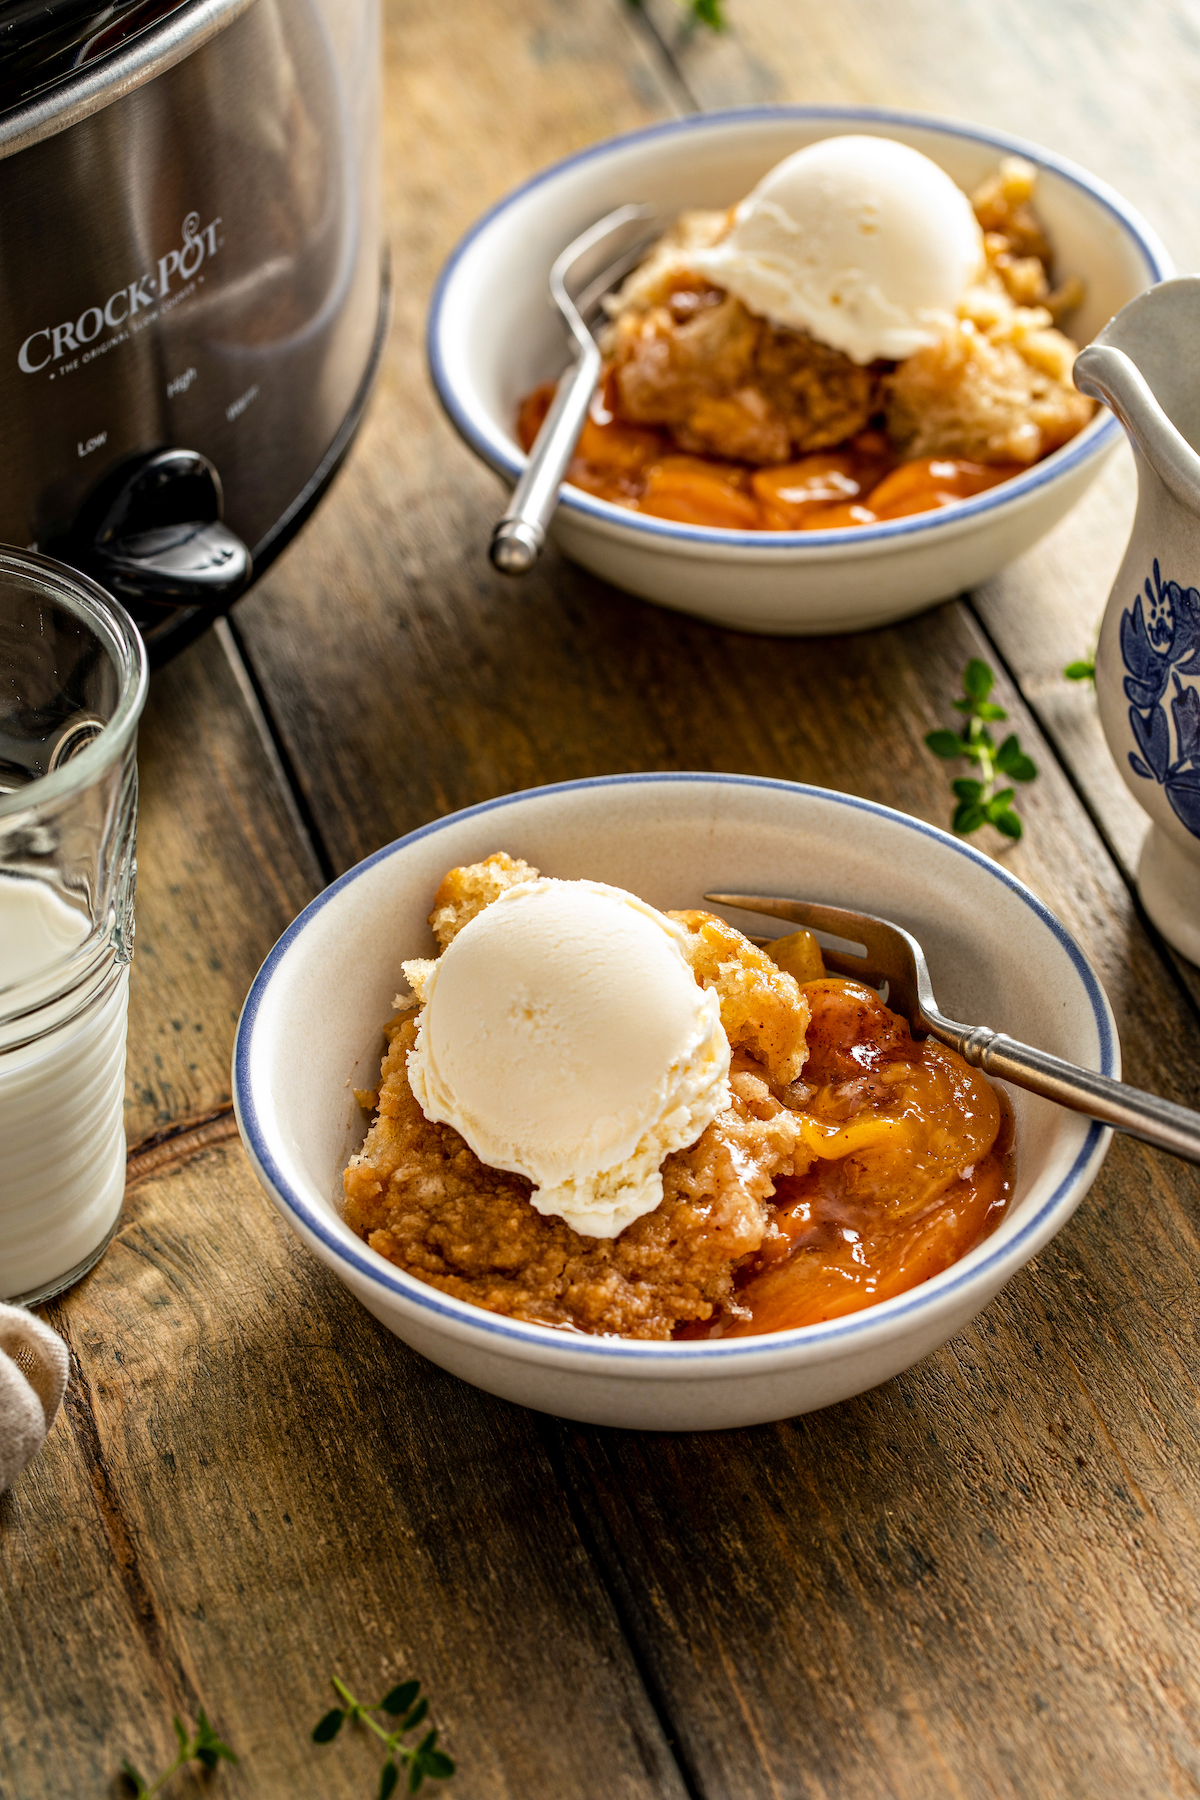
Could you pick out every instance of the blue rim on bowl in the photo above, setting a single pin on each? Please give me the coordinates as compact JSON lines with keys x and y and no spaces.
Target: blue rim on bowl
{"x":476,"y":430}
{"x":313,"y":1221}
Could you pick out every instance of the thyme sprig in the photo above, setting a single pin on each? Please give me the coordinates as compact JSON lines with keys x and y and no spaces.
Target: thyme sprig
{"x":699,"y":12}
{"x":707,"y":12}
{"x":400,"y":1703}
{"x":980,"y":802}
{"x":1084,"y":667}
{"x":203,"y":1747}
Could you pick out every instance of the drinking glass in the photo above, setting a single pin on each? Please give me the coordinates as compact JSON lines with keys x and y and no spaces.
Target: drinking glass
{"x":72,"y":684}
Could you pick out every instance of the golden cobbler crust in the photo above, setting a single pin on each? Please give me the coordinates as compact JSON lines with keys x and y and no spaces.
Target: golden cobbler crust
{"x":762,"y":1008}
{"x":466,"y":891}
{"x":995,"y":389}
{"x":420,"y":1196}
{"x":727,"y":383}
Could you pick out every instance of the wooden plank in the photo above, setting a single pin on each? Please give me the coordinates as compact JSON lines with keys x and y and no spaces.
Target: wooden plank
{"x":979,"y":1579}
{"x":924,"y":1592}
{"x":911,"y":1594}
{"x":742,"y":1679}
{"x":282,"y":1491}
{"x":1056,"y":85}
{"x":245,"y":1518}
{"x":141,"y":1573}
{"x":390,"y":580}
{"x":222,"y":869}
{"x":976,"y":1580}
{"x":1109,"y":87}
{"x":967,"y":1583}
{"x":77,"y":1643}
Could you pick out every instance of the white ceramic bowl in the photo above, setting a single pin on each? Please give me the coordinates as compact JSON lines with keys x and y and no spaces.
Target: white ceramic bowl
{"x":311,"y":1029}
{"x":493,"y":335}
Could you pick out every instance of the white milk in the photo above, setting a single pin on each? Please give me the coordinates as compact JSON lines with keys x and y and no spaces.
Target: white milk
{"x":62,"y":1140}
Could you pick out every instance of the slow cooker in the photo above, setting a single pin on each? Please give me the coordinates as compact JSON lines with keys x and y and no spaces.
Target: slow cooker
{"x":192,"y":297}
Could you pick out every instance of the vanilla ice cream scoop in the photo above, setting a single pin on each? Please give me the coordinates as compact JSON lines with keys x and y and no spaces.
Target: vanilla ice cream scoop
{"x":566,"y":1038}
{"x":860,"y":241}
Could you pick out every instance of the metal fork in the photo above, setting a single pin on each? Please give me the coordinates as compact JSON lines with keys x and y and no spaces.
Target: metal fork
{"x":894,"y":955}
{"x":579,"y":280}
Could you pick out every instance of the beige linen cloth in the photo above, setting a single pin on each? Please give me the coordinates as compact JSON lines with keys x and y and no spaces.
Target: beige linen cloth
{"x":33,"y":1375}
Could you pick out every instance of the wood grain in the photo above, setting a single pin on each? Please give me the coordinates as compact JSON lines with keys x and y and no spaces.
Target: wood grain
{"x":924,"y":1592}
{"x":392,"y":577}
{"x":979,"y":1580}
{"x":1113,"y":88}
{"x":281,"y":1491}
{"x":1014,"y":71}
{"x":222,"y":869}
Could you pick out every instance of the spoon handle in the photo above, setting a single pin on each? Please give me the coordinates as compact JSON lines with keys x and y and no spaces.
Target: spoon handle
{"x":518,"y":537}
{"x":1114,"y":1103}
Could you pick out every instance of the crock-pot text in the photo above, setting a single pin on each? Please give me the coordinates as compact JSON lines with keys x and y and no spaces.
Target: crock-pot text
{"x":54,"y":341}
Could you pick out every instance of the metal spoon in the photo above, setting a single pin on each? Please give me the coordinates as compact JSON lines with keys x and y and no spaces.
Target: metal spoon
{"x":579,"y":280}
{"x":893,"y":955}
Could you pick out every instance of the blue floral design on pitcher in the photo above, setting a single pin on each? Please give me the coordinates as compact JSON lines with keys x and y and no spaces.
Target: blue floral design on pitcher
{"x":1157,"y":647}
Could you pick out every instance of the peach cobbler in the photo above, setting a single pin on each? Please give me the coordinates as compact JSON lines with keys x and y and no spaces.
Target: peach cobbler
{"x":674,"y":1132}
{"x":854,"y":342}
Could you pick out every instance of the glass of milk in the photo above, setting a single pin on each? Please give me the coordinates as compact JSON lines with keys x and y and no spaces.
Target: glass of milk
{"x":72,"y":684}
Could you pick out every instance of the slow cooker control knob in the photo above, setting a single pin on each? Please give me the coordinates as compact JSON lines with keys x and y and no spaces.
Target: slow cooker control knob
{"x":153,"y":536}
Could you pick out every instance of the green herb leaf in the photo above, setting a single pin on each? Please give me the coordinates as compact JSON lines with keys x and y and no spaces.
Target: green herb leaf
{"x":400,"y":1698}
{"x":1011,"y":760}
{"x":968,"y":817}
{"x":702,"y":12}
{"x":205,"y":1748}
{"x":1084,"y":670}
{"x":429,"y":1761}
{"x":978,"y":679}
{"x":978,"y":800}
{"x":424,"y":1760}
{"x":208,"y":1746}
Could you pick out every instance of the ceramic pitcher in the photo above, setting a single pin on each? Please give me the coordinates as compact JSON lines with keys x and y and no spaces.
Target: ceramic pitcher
{"x":1146,"y":365}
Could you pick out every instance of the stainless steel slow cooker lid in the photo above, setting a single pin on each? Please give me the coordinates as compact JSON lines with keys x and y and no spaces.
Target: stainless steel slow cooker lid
{"x":86,"y":88}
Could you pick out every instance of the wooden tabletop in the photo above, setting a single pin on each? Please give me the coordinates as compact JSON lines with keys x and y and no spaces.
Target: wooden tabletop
{"x":981,"y":1579}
